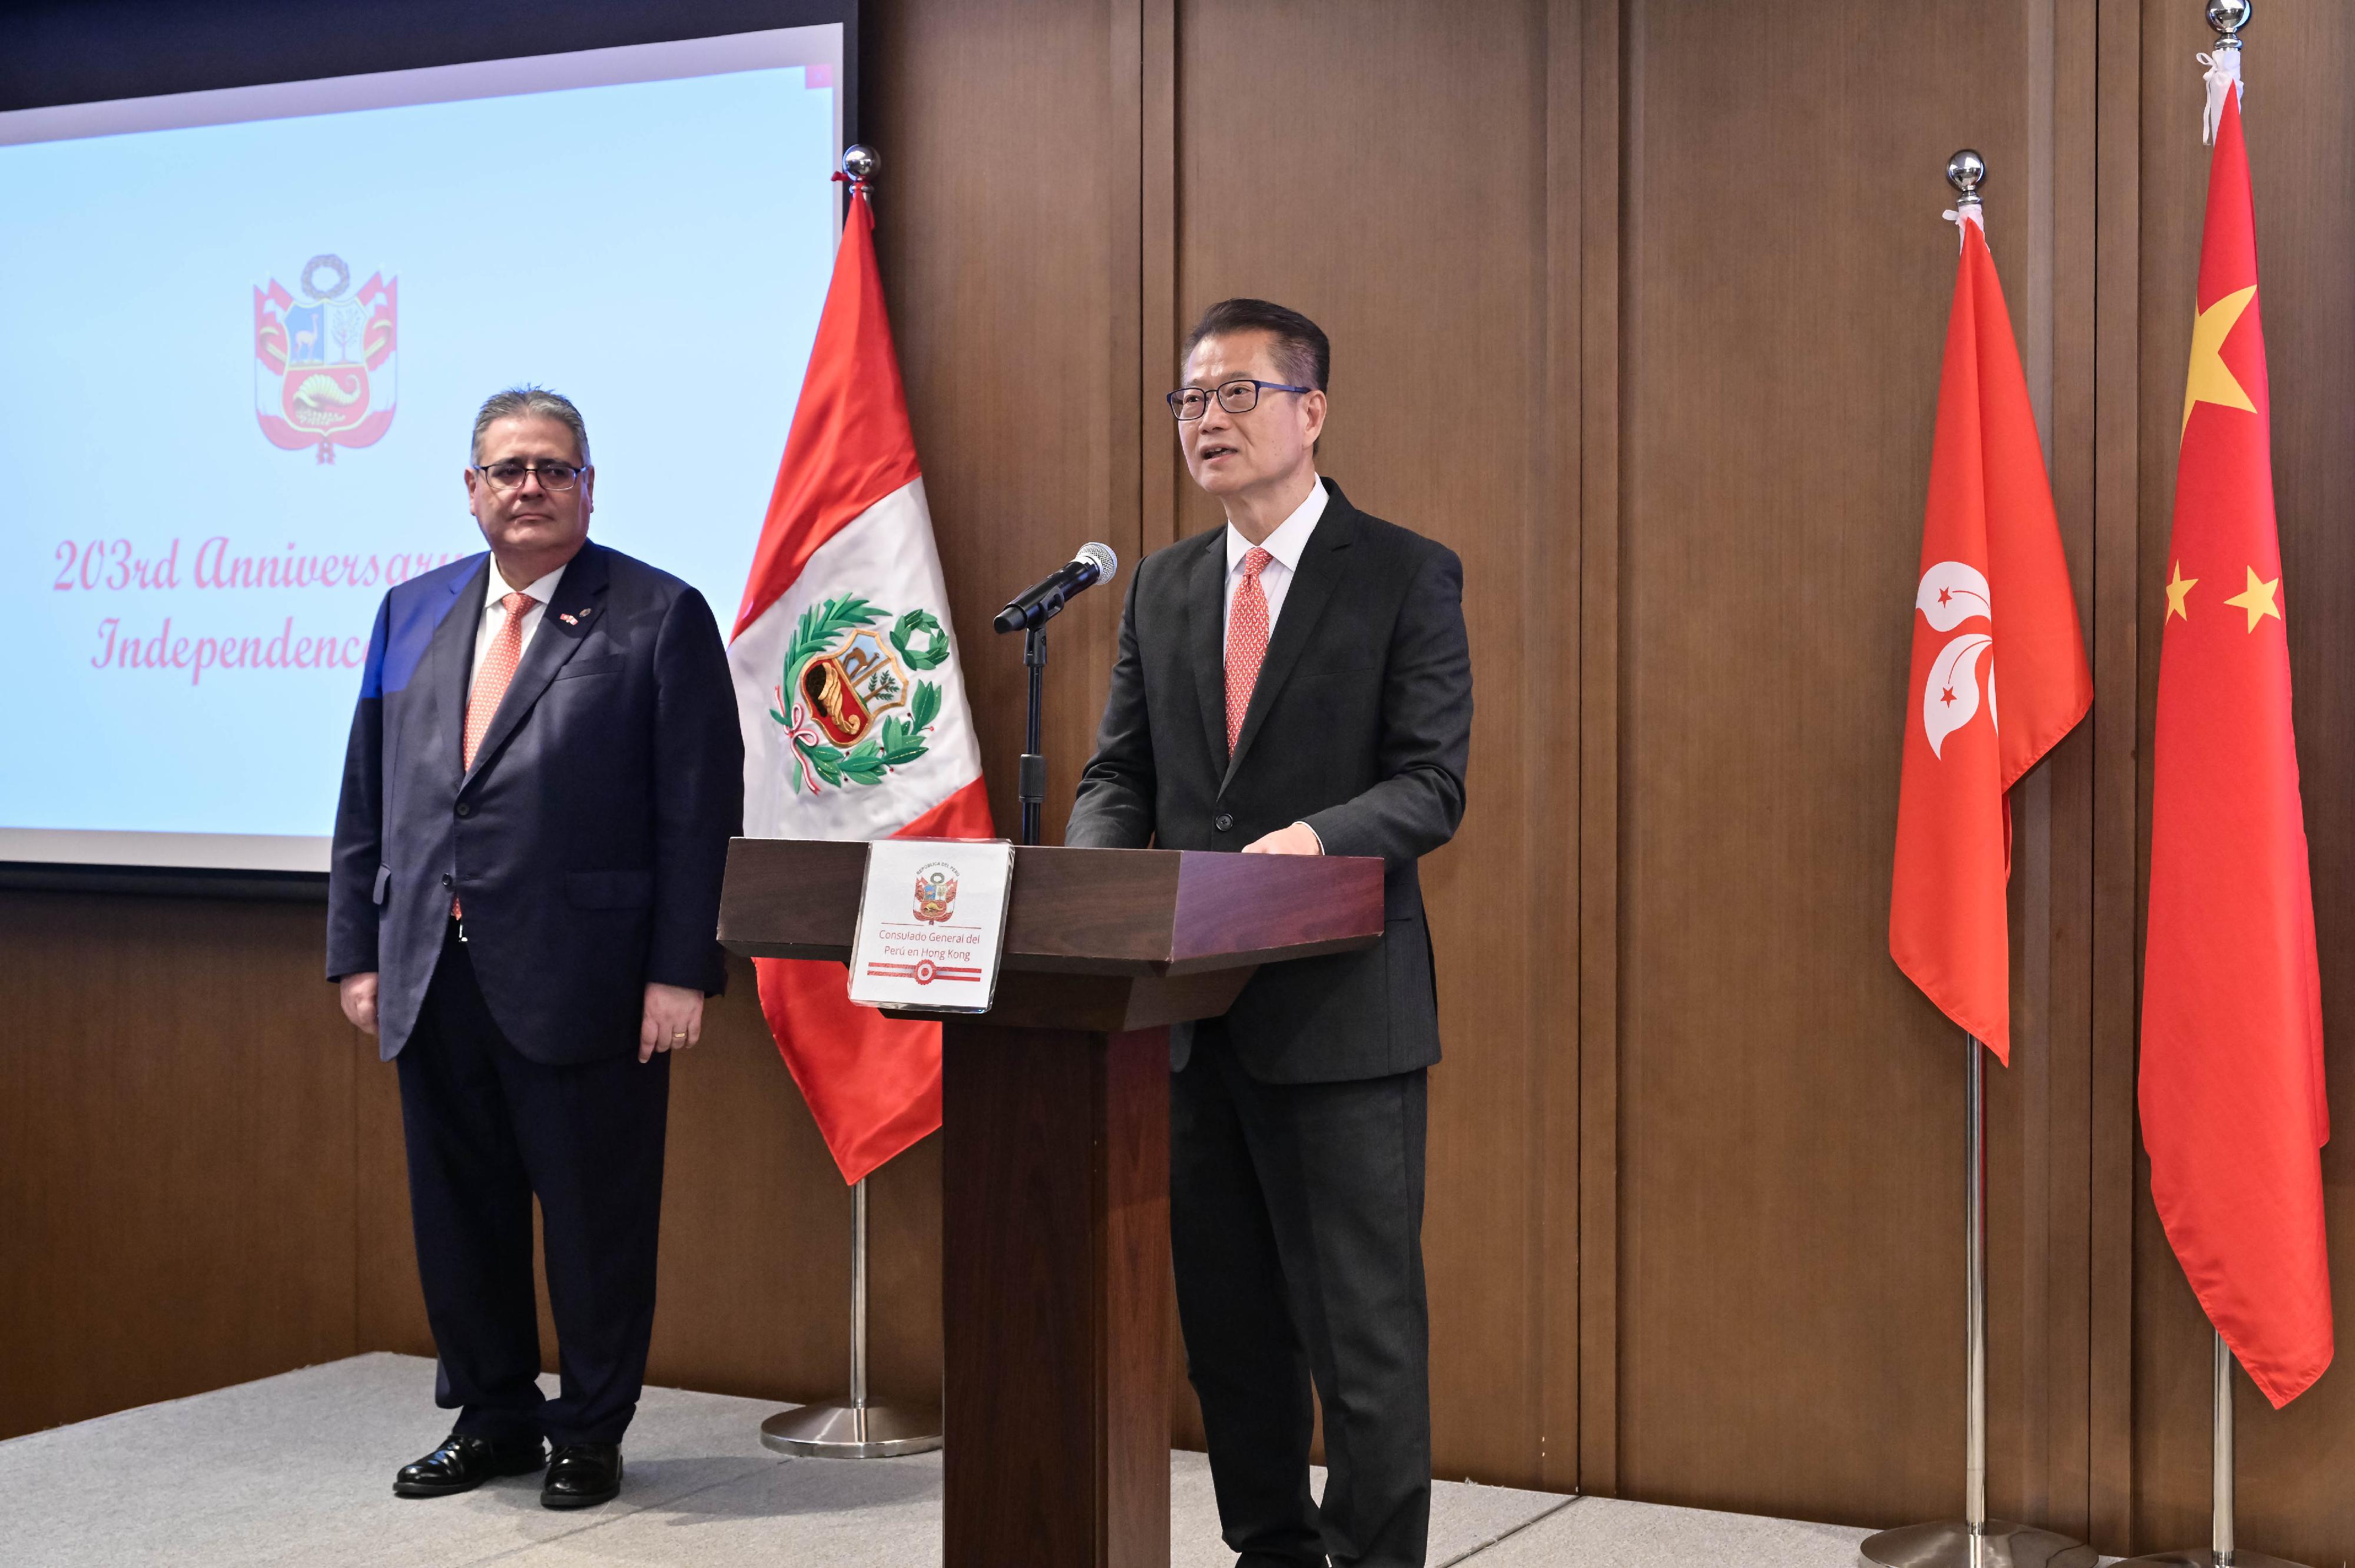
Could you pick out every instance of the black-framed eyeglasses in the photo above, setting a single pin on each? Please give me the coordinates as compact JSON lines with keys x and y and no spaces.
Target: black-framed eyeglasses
{"x":510,"y":474}
{"x":1235,"y":396}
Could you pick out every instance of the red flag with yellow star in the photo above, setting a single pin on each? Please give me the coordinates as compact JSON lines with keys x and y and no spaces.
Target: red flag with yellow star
{"x":2233,"y":1110}
{"x":1994,"y":595}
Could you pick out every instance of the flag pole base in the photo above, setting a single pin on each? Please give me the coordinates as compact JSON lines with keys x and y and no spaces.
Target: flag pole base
{"x":2208,"y":1560}
{"x":1949,"y":1543}
{"x":837,"y":1429}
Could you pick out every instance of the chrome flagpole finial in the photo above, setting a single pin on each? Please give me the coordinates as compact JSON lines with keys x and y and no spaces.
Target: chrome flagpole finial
{"x":1967,"y":171}
{"x":2228,"y":18}
{"x":860,"y":162}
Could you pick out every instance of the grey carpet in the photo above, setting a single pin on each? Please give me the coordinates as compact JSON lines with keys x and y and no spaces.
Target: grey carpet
{"x":1606,"y":1531}
{"x":297,"y":1469}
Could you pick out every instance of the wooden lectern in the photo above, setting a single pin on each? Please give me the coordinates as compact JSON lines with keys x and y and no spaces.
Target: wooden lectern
{"x":1055,"y":1266}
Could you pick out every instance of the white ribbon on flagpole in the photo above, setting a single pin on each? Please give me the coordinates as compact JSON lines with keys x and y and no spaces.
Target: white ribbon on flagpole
{"x":2222,"y":75}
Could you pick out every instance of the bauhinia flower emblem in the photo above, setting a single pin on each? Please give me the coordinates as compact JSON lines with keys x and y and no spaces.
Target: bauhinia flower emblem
{"x":1952,"y":593}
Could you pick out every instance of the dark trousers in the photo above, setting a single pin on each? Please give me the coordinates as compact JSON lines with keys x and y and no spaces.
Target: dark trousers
{"x":1295,"y":1224}
{"x":486,"y":1128}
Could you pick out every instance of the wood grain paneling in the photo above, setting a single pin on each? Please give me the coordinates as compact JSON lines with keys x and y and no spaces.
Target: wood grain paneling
{"x":1600,"y":259}
{"x":1790,"y":1110}
{"x":1006,"y":226}
{"x":2115,"y":836}
{"x":177,"y":1151}
{"x":1432,"y":284}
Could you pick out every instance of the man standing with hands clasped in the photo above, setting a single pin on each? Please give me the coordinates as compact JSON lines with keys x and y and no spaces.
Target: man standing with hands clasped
{"x":543,"y":775}
{"x":1296,"y":683}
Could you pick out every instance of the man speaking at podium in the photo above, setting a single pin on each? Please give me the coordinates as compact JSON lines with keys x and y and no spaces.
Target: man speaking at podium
{"x":1296,"y":683}
{"x":543,"y":775}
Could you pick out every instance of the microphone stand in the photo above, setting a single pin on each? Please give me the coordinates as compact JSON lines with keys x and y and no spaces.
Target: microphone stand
{"x":1030,"y":785}
{"x":1032,"y":610}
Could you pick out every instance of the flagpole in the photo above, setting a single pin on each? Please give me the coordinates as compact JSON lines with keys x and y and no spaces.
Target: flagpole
{"x":1975,"y":1540}
{"x":854,"y":1428}
{"x":2221,"y":1460}
{"x":1974,"y":1504}
{"x":2223,"y":1552}
{"x":2227,"y":18}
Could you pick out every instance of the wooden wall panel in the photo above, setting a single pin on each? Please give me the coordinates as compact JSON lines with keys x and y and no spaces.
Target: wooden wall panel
{"x":1789,"y":1109}
{"x":1003,"y":264}
{"x":1599,"y":258}
{"x":2116,"y":837}
{"x":2056,"y":1305}
{"x":2295,"y":1496}
{"x":177,"y":1188}
{"x":1431,"y":283}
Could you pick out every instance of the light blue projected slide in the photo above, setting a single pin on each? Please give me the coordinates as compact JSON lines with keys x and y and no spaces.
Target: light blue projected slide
{"x":243,"y":338}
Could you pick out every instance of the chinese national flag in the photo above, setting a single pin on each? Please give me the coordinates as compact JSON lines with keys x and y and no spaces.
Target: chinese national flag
{"x":1994,"y":597}
{"x":2232,"y":1110}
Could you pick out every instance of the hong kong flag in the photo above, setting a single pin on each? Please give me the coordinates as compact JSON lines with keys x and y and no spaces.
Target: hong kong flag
{"x":1993,"y":598}
{"x":2233,"y":1109}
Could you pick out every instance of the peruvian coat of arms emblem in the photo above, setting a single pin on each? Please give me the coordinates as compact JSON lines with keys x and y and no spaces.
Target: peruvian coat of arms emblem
{"x":851,"y":701}
{"x":323,"y":365}
{"x":936,"y":887}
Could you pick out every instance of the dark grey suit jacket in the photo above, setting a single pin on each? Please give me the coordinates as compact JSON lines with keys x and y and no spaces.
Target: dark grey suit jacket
{"x":589,"y":837}
{"x":1359,"y":725}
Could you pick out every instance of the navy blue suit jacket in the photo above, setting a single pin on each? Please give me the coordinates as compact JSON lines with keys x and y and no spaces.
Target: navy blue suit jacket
{"x":588,"y":840}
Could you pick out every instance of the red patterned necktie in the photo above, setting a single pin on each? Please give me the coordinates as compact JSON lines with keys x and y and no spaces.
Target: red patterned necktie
{"x":499,"y":661}
{"x":1246,"y":642}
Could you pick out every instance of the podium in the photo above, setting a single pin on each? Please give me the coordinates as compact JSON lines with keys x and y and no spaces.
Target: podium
{"x":1055,"y":1109}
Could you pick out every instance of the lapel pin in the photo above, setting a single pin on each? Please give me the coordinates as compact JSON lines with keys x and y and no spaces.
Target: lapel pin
{"x":566,"y":619}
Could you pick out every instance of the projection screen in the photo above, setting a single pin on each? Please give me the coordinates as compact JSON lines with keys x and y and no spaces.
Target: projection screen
{"x":244,"y":335}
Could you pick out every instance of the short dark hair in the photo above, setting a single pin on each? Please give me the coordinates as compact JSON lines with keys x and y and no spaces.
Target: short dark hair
{"x":528,"y":402}
{"x":1301,"y":345}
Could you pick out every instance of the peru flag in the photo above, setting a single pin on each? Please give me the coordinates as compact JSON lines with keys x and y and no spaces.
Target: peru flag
{"x":1994,"y":597}
{"x":851,"y":699}
{"x":2234,"y":1111}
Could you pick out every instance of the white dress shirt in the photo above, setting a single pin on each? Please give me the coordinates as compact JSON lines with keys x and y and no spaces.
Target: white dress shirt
{"x":1286,"y":544}
{"x":495,"y":619}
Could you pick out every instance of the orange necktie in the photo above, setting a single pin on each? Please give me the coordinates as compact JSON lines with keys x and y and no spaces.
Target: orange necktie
{"x":499,"y":661}
{"x":1246,"y":642}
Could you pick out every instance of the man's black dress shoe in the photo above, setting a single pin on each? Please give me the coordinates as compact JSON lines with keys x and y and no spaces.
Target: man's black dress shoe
{"x":582,"y":1475}
{"x":463,"y":1463}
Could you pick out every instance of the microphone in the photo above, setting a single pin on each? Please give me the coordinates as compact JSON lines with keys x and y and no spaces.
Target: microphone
{"x":1043,"y":600}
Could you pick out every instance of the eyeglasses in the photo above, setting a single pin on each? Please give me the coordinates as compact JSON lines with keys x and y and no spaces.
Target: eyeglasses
{"x":509,"y":476}
{"x":1235,"y":396}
